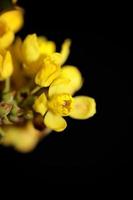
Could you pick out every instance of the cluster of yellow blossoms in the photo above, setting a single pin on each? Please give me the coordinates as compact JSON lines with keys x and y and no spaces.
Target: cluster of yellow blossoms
{"x":35,"y":84}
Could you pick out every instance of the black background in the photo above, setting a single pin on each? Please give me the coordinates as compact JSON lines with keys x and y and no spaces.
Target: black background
{"x":87,"y":151}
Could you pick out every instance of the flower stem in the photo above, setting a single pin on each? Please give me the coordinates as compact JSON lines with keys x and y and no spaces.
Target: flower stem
{"x":36,"y":89}
{"x":7,"y":85}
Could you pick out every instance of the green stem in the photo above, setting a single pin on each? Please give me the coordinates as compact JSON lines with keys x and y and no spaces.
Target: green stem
{"x":7,"y":85}
{"x":36,"y":89}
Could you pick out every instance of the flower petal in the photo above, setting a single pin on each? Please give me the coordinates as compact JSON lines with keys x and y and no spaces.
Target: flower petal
{"x":46,"y":47}
{"x":55,"y":122}
{"x":65,"y":51}
{"x":30,"y":49}
{"x":59,"y":86}
{"x":23,"y":138}
{"x":40,"y":104}
{"x":6,"y":69}
{"x":6,"y":35}
{"x":73,"y":74}
{"x":49,"y":71}
{"x":14,"y":19}
{"x":83,"y":107}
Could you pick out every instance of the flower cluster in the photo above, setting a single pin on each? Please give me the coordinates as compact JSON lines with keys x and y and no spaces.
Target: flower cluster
{"x":36,"y":88}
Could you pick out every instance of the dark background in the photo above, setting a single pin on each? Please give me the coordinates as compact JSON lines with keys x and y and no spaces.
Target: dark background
{"x":87,"y":151}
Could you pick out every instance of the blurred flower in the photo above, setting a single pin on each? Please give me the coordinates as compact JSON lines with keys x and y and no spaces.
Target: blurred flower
{"x":10,"y":22}
{"x":6,"y":65}
{"x":23,"y":139}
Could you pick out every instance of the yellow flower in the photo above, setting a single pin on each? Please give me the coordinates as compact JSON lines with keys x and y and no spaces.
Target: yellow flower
{"x":48,"y":47}
{"x":13,"y":18}
{"x":10,"y":22}
{"x":30,"y":49}
{"x":58,"y":104}
{"x":23,"y":138}
{"x":69,"y":81}
{"x":35,"y":49}
{"x":6,"y":65}
{"x":18,"y":76}
{"x":49,"y":71}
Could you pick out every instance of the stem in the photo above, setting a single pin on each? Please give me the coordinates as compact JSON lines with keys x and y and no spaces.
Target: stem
{"x":36,"y":89}
{"x":7,"y":85}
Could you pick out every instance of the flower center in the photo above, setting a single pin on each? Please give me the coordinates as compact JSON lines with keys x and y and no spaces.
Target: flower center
{"x":61,"y":104}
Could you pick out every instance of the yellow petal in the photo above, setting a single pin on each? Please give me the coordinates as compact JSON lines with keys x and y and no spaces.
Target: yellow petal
{"x":48,"y":72}
{"x":14,"y":19}
{"x":6,"y":67}
{"x":30,"y":49}
{"x":83,"y":107}
{"x":59,"y":86}
{"x":23,"y":138}
{"x":31,"y":69}
{"x":65,"y":51}
{"x":40,"y":104}
{"x":73,"y":74}
{"x":55,"y":122}
{"x":46,"y":47}
{"x":56,"y":58}
{"x":6,"y":35}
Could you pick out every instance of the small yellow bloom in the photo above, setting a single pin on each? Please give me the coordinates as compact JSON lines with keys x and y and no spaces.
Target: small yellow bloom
{"x":49,"y":47}
{"x":35,"y":49}
{"x":50,"y":70}
{"x":60,"y":104}
{"x":69,"y":81}
{"x":13,"y":19}
{"x":6,"y":65}
{"x":30,"y":49}
{"x":55,"y":108}
{"x":31,"y":56}
{"x":18,"y":76}
{"x":10,"y":22}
